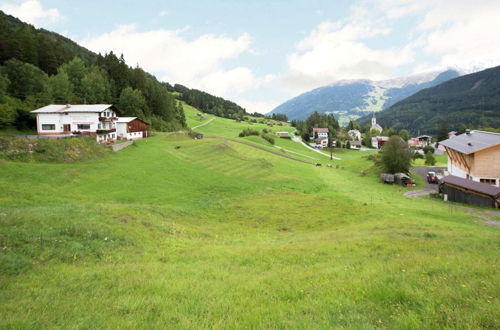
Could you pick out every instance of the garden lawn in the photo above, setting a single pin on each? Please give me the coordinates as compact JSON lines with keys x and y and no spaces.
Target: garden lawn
{"x":217,"y":234}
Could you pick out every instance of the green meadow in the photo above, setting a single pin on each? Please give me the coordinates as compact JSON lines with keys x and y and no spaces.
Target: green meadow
{"x":219,"y":234}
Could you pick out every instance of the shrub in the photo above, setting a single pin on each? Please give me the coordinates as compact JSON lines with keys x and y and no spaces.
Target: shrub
{"x":418,"y":155}
{"x":396,"y":156}
{"x":269,"y":138}
{"x":427,"y":149}
{"x":248,"y":132}
{"x":429,"y":159}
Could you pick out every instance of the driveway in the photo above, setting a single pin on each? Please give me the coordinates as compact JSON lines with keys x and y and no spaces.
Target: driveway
{"x":429,"y":188}
{"x":422,"y":171}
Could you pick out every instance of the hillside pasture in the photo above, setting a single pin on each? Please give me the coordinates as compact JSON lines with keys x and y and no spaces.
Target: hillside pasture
{"x":220,"y":234}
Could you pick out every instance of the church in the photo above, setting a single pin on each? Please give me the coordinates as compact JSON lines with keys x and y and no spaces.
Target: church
{"x":375,"y":126}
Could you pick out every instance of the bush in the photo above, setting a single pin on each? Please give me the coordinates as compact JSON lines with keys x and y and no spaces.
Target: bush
{"x":248,"y":132}
{"x":417,"y":155}
{"x":429,"y":159}
{"x":396,"y":156}
{"x":427,"y":149}
{"x":269,"y":138}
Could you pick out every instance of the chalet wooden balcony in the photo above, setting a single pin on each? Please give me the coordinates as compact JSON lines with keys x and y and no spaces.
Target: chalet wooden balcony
{"x":107,"y":118}
{"x":105,"y":130}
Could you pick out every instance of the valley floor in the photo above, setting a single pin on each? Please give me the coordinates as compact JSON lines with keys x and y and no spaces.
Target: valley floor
{"x":219,"y":234}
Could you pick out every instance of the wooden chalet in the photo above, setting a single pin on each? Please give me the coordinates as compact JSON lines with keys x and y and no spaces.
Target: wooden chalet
{"x":131,"y":128}
{"x":475,"y":156}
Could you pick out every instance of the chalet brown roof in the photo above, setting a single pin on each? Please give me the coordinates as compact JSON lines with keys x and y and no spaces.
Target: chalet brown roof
{"x":482,"y":188}
{"x":471,"y":142}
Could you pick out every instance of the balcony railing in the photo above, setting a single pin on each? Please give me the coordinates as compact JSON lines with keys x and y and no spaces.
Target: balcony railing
{"x":107,"y":118}
{"x":105,"y":130}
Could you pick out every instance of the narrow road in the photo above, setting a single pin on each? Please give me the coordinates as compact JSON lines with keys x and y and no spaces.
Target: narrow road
{"x":205,"y":123}
{"x":429,"y":188}
{"x":299,"y":140}
{"x":297,"y":153}
{"x":263,"y":149}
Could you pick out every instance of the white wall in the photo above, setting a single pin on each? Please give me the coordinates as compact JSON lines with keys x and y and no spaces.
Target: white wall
{"x":49,"y":118}
{"x":60,"y":119}
{"x":134,"y":136}
{"x":121,"y":130}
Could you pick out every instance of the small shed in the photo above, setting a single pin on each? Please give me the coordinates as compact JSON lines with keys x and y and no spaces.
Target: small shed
{"x":387,"y":178}
{"x":470,"y":192}
{"x":403,"y":179}
{"x":283,"y":134}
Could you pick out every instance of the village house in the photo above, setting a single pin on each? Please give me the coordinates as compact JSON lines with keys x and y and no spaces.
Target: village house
{"x":320,"y":137}
{"x":97,"y":120}
{"x":474,"y":155}
{"x":452,"y":134}
{"x":354,"y":134}
{"x":413,"y":142}
{"x":379,"y":141}
{"x":420,"y":141}
{"x":131,"y":128}
{"x":355,"y":145}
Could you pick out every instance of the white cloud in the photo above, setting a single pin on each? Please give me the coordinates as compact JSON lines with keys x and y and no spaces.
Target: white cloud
{"x":337,"y":50}
{"x":257,"y":106}
{"x":31,"y":11}
{"x":446,"y":33}
{"x":197,"y":63}
{"x":163,"y":13}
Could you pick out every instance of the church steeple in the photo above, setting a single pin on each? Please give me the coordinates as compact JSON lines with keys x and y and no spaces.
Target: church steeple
{"x":374,"y":120}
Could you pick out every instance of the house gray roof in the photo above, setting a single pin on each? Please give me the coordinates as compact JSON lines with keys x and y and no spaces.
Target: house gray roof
{"x":125,"y":119}
{"x":472,"y":142}
{"x":483,"y":188}
{"x":62,"y":108}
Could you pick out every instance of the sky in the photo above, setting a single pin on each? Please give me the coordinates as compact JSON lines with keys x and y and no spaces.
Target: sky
{"x":262,"y":53}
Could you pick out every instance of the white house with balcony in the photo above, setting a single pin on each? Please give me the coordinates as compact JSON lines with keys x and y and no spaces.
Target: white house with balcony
{"x":97,"y":120}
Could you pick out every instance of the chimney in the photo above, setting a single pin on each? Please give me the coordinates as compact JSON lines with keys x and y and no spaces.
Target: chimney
{"x":68,"y":106}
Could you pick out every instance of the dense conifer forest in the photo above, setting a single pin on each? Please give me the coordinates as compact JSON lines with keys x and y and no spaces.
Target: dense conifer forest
{"x":39,"y":67}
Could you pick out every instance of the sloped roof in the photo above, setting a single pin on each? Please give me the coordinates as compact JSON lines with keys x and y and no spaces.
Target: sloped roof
{"x":472,"y":142}
{"x":483,"y":188}
{"x":125,"y":119}
{"x":320,"y":130}
{"x":62,"y":108}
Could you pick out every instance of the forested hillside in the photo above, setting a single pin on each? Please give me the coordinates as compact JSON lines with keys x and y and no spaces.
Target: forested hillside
{"x":208,"y":103}
{"x":38,"y":67}
{"x":472,"y":100}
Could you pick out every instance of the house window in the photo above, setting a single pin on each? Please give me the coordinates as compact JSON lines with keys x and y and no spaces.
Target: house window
{"x":83,"y":126}
{"x":48,"y":127}
{"x":488,"y":181}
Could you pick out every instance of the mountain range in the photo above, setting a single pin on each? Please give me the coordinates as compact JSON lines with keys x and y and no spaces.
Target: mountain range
{"x":352,"y":99}
{"x":472,"y":100}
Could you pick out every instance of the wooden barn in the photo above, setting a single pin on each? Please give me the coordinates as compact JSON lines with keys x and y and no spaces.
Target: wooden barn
{"x":131,"y":128}
{"x":470,"y":192}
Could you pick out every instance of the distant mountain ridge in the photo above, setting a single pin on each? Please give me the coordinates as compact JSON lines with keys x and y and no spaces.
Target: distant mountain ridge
{"x":352,"y":99}
{"x":471,"y":100}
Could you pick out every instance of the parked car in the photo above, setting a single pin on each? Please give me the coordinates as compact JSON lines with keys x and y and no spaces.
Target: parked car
{"x":432,"y":177}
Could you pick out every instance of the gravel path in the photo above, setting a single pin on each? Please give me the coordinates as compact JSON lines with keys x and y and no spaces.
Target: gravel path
{"x":205,"y":123}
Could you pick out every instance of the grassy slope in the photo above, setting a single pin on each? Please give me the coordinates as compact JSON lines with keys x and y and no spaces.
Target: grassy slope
{"x":219,"y":234}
